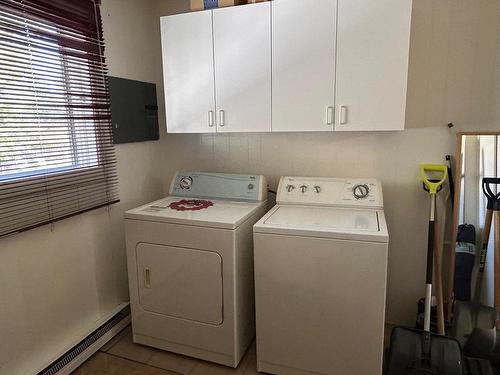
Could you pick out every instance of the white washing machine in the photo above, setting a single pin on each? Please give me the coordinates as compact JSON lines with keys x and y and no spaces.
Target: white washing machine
{"x":190,"y":266}
{"x":320,"y":278}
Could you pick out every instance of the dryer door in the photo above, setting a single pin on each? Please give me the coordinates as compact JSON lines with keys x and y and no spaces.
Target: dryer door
{"x":180,"y":283}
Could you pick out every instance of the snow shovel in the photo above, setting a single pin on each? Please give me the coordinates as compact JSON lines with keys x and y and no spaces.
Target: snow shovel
{"x":482,"y":339}
{"x":422,"y":352}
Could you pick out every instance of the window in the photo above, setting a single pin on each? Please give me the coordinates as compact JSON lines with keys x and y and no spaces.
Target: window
{"x":56,"y":152}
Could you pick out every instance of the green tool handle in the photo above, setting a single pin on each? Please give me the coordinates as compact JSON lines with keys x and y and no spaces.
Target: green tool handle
{"x":433,"y":185}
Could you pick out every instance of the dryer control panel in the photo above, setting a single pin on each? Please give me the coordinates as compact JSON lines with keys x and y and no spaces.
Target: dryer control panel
{"x":219,"y":186}
{"x":324,"y":191}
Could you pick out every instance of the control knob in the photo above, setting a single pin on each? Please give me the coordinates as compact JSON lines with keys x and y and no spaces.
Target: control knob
{"x":303,"y":189}
{"x":360,"y":191}
{"x":317,"y":189}
{"x":290,"y":188}
{"x":186,"y":182}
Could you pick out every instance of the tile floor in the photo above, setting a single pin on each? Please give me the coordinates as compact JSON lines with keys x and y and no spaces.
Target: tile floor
{"x":121,"y":356}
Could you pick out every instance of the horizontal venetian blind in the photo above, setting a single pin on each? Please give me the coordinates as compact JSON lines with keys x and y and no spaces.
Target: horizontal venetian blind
{"x":56,"y":152}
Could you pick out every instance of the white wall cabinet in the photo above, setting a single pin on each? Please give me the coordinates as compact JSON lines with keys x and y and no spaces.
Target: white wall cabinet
{"x":303,"y":35}
{"x":217,"y":67}
{"x":373,"y":41}
{"x":288,"y":65}
{"x":242,"y":45}
{"x":188,"y":69}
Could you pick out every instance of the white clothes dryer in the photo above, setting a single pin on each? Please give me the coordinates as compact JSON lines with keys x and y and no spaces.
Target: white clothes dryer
{"x":190,"y":266}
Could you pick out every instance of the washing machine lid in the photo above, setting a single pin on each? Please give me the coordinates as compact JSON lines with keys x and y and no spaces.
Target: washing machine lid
{"x":325,"y":222}
{"x":200,"y":212}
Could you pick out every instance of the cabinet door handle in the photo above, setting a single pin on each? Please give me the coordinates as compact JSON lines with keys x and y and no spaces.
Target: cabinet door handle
{"x":343,"y":115}
{"x":147,"y":278}
{"x":329,"y":115}
{"x":222,"y":118}
{"x":211,"y":119}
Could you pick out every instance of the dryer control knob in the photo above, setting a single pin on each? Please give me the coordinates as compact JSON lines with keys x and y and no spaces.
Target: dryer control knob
{"x":317,"y":189}
{"x":186,"y":183}
{"x":360,"y":191}
{"x":303,"y":188}
{"x":290,"y":188}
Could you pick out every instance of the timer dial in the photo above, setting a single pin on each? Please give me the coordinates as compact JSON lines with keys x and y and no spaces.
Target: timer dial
{"x":186,"y":182}
{"x":360,"y":191}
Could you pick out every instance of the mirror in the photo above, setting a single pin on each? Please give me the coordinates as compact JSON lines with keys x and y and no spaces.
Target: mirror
{"x":478,"y":158}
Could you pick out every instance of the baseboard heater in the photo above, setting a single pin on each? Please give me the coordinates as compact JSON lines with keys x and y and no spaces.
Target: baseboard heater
{"x":82,"y":351}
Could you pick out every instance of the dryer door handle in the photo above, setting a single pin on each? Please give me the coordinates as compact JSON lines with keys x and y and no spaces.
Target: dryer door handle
{"x":147,"y":278}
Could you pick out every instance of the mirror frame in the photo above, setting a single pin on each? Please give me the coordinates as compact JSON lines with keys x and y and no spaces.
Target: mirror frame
{"x":454,"y":222}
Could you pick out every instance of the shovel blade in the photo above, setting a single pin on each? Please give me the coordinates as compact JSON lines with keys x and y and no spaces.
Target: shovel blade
{"x":464,"y":320}
{"x":481,"y":343}
{"x":407,"y":357}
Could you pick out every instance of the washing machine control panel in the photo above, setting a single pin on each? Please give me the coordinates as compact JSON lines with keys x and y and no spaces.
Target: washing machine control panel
{"x":350,"y":192}
{"x":219,"y":186}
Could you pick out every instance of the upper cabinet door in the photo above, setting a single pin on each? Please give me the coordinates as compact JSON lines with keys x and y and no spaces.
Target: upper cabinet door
{"x":303,"y":34}
{"x":373,"y":40}
{"x":242,"y":45}
{"x":188,"y":71}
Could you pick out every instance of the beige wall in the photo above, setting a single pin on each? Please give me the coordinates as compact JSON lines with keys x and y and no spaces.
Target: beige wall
{"x":56,"y":284}
{"x":452,"y":79}
{"x":452,"y":63}
{"x":495,"y":98}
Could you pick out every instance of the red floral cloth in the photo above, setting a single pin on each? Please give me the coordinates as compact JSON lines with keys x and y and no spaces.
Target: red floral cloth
{"x":190,"y":205}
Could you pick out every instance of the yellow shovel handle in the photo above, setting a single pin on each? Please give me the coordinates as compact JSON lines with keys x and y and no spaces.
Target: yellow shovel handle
{"x":433,"y":186}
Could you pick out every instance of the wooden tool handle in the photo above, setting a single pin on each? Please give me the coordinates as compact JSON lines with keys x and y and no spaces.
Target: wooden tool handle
{"x":476,"y":298}
{"x":454,"y":227}
{"x":494,"y":204}
{"x":496,"y":219}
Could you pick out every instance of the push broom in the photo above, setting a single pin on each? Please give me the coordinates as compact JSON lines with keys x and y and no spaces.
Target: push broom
{"x":422,"y":352}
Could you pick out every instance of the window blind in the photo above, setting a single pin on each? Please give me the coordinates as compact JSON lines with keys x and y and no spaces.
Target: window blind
{"x":56,"y":152}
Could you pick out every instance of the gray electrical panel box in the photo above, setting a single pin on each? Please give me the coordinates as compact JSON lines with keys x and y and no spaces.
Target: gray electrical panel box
{"x":134,"y":110}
